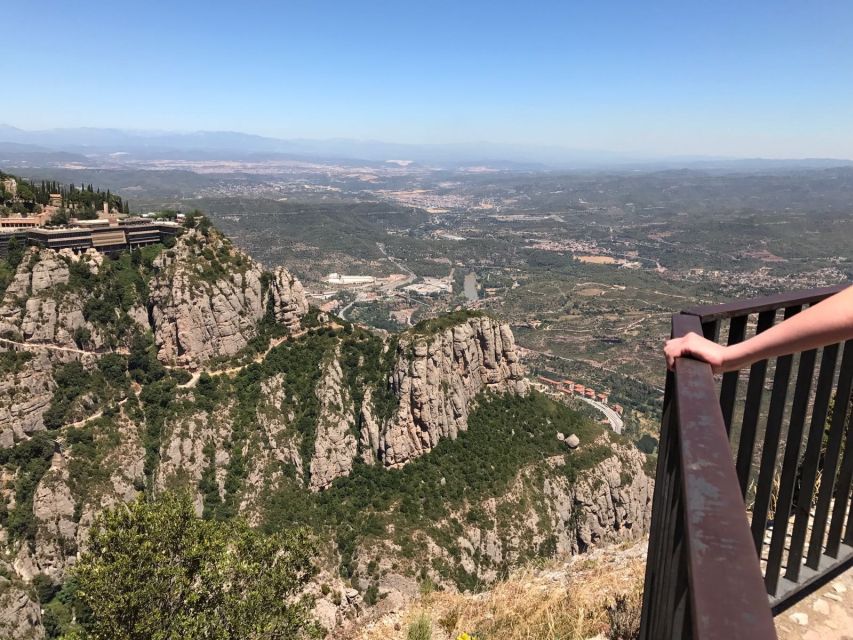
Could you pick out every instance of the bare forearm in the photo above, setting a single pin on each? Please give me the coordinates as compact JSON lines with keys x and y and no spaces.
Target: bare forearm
{"x":825,"y":323}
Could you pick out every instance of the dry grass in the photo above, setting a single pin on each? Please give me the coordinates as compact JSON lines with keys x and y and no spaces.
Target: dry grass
{"x":550,"y":603}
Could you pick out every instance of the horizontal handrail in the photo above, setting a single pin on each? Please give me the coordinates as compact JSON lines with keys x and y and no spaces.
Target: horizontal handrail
{"x":703,"y":578}
{"x":721,"y":444}
{"x":726,"y":586}
{"x":711,"y":312}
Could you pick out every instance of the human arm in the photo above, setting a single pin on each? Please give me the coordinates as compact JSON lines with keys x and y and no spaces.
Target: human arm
{"x":827,"y":322}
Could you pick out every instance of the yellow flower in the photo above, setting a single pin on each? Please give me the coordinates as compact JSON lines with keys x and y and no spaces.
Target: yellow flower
{"x":465,"y":636}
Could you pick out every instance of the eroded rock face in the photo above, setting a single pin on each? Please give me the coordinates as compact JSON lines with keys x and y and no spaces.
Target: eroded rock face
{"x":190,"y":446}
{"x":288,"y":299}
{"x":53,"y":508}
{"x":27,"y":391}
{"x":437,"y":378}
{"x":207,"y":300}
{"x":370,"y":428}
{"x":550,"y":517}
{"x":20,"y":616}
{"x":35,"y":308}
{"x":335,"y":445}
{"x":275,"y":448}
{"x":614,"y":501}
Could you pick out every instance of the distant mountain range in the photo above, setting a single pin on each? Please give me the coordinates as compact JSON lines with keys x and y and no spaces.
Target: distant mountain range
{"x":83,"y":145}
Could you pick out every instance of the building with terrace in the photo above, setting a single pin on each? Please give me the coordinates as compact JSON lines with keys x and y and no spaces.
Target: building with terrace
{"x":106,"y":238}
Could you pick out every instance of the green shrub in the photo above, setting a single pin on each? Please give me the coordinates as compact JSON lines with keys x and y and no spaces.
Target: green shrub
{"x":420,"y":629}
{"x":192,"y":578}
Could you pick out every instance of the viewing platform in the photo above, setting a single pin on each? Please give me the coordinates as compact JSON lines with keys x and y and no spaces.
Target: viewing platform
{"x":752,"y":505}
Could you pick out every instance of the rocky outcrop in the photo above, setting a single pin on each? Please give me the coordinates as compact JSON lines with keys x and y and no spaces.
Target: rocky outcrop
{"x":335,"y":444}
{"x":370,"y":428}
{"x":53,"y":508}
{"x":276,"y":447}
{"x":38,"y":307}
{"x":20,"y":615}
{"x":610,"y":502}
{"x":287,"y":298}
{"x":191,"y":445}
{"x":27,"y":390}
{"x":437,"y":377}
{"x":207,"y":299}
{"x":551,"y":516}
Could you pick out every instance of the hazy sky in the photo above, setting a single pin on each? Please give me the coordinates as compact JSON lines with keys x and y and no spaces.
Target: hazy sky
{"x":746,"y":78}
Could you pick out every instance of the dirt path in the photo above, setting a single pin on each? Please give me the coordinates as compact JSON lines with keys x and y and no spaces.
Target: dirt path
{"x":36,"y":346}
{"x":88,"y":419}
{"x":193,"y":381}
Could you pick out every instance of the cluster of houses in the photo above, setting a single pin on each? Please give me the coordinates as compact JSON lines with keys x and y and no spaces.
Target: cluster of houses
{"x":572,"y":388}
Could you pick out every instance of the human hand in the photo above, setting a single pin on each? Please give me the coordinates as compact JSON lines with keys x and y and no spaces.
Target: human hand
{"x":698,"y":347}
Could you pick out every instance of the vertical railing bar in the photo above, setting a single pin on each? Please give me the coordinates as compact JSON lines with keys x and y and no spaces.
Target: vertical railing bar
{"x":808,"y":467}
{"x":770,"y":446}
{"x":754,"y":391}
{"x":711,"y":330}
{"x":728,"y":388}
{"x":682,"y":597}
{"x":667,"y":584}
{"x":667,"y":481}
{"x":842,"y":490}
{"x":651,"y":589}
{"x":675,"y":558}
{"x":805,"y":372}
{"x":848,"y":532}
{"x":830,"y":461}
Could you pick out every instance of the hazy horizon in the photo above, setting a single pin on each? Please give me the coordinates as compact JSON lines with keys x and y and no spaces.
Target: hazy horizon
{"x":767,"y":79}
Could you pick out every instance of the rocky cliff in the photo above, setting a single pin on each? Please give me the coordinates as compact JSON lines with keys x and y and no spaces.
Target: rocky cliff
{"x":207,"y":299}
{"x":200,"y":299}
{"x":436,"y":378}
{"x":40,"y":305}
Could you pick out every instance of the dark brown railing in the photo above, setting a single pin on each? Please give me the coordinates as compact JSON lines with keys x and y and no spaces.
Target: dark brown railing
{"x":717,"y":568}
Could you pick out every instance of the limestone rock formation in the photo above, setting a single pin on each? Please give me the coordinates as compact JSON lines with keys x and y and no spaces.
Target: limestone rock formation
{"x":192,"y":444}
{"x":614,"y":500}
{"x":289,"y":303}
{"x":437,"y":377}
{"x":27,"y":391}
{"x":35,"y":306}
{"x":207,"y":299}
{"x":277,"y":446}
{"x":370,"y":428}
{"x":20,"y":615}
{"x":335,"y":444}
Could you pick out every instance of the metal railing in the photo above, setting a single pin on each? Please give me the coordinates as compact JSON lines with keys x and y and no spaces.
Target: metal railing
{"x":716,"y":567}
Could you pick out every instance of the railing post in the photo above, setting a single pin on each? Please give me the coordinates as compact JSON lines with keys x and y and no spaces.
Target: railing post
{"x":703,"y":580}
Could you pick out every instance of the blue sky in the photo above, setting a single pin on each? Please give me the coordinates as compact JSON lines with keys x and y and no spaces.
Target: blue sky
{"x":748,"y":78}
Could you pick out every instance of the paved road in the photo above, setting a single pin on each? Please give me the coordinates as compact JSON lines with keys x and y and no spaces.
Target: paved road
{"x":615,"y":421}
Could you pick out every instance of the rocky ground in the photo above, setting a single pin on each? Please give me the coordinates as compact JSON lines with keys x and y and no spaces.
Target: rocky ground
{"x":826,"y":614}
{"x":564,"y":599}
